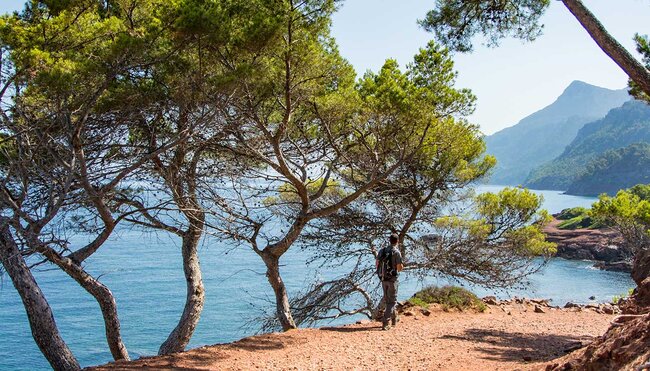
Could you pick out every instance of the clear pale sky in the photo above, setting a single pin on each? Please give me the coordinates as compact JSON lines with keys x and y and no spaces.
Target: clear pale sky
{"x":511,"y":81}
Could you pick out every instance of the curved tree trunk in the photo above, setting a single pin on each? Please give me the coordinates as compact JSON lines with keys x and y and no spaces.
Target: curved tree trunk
{"x":107,"y":304}
{"x":182,"y":333}
{"x":633,"y":68}
{"x":283,"y":309}
{"x":41,"y":320}
{"x":102,"y":295}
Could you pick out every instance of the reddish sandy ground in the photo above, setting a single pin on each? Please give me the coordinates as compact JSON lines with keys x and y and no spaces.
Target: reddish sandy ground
{"x":493,"y":340}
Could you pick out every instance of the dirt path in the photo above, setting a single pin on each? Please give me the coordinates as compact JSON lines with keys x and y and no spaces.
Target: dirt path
{"x":494,"y":340}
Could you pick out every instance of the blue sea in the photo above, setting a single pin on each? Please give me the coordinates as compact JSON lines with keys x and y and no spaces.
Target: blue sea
{"x":144,"y":272}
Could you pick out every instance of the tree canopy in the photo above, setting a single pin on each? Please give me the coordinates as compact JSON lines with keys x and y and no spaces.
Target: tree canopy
{"x":240,"y":119}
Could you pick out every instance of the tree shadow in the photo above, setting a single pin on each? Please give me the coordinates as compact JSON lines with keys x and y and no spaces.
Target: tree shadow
{"x":500,"y":345}
{"x":200,"y":358}
{"x":351,"y":329}
{"x":258,"y":343}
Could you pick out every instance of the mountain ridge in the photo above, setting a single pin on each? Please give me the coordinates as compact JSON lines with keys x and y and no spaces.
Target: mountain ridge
{"x":543,"y":135}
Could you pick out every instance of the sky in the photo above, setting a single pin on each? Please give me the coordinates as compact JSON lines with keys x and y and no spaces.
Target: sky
{"x":511,"y":81}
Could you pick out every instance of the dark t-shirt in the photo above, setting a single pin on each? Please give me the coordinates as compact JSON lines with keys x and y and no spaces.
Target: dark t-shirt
{"x":396,"y":258}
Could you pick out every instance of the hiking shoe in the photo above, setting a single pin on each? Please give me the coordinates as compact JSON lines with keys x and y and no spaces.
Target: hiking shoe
{"x":394,"y":320}
{"x":385,"y":327}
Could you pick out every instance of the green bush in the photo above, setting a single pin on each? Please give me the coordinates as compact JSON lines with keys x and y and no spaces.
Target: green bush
{"x":418,"y":302}
{"x":572,"y":213}
{"x":577,"y":217}
{"x":449,"y":297}
{"x":617,"y":298}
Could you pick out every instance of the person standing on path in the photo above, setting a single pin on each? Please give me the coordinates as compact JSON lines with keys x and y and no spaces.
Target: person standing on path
{"x":389,"y":264}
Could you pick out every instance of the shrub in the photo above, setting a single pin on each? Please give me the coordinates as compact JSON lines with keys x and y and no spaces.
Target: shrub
{"x":617,"y":298}
{"x":577,"y":217}
{"x":418,"y":302}
{"x":571,"y":213}
{"x":449,"y":297}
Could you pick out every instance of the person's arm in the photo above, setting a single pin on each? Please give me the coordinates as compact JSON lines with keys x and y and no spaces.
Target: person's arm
{"x":400,"y":264}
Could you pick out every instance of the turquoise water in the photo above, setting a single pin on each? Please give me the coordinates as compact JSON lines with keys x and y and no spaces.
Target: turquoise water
{"x":144,"y":272}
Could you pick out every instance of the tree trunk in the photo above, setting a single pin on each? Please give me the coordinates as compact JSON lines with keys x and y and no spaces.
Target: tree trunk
{"x":181,"y":335}
{"x":102,"y":295}
{"x":41,"y":320}
{"x":283,"y":310}
{"x":107,"y":304}
{"x":633,"y":68}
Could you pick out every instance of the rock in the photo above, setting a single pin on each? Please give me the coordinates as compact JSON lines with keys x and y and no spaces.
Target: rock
{"x":426,"y":312}
{"x":608,"y":309}
{"x":542,"y":302}
{"x":408,"y":314}
{"x":642,"y":294}
{"x":539,"y":309}
{"x":592,"y":297}
{"x":616,"y":266}
{"x":641,"y":269}
{"x":573,"y":346}
{"x":490,"y":300}
{"x":509,"y":313}
{"x":606,"y":245}
{"x":528,"y":358}
{"x":572,"y":305}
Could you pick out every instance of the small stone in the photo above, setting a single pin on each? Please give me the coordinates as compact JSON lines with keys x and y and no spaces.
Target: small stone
{"x":408,"y":314}
{"x":538,"y":309}
{"x":490,"y":300}
{"x":425,"y":312}
{"x":592,"y":297}
{"x":509,"y":313}
{"x":528,"y":358}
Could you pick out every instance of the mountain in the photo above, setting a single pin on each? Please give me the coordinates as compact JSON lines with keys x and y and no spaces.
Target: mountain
{"x":614,"y":170}
{"x":620,"y":128}
{"x":542,"y":136}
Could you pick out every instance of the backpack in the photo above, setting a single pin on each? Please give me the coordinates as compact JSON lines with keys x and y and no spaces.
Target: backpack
{"x":385,"y":269}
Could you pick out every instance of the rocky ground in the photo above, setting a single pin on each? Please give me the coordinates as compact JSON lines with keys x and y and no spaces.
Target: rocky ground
{"x":511,"y":335}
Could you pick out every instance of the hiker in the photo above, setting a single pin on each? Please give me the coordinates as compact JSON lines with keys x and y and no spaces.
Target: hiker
{"x":389,"y":263}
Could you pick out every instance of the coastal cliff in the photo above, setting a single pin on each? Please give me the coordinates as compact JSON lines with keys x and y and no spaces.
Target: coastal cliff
{"x":604,"y":246}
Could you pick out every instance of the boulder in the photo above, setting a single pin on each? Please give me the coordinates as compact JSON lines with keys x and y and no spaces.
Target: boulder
{"x":643,"y":293}
{"x":617,"y":266}
{"x":641,"y":269}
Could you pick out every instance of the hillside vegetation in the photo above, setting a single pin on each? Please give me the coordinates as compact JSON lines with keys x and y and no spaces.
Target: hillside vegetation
{"x":543,"y":135}
{"x":585,"y":157}
{"x":614,"y":170}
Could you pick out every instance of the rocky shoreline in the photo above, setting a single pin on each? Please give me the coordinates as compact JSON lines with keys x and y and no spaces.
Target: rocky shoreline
{"x":605,"y":246}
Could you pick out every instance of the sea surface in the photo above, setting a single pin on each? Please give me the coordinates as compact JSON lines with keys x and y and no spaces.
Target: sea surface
{"x":144,"y":272}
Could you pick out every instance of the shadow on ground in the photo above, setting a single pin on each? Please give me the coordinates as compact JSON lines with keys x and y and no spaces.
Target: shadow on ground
{"x":200,"y":358}
{"x":351,"y":329}
{"x":508,"y":346}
